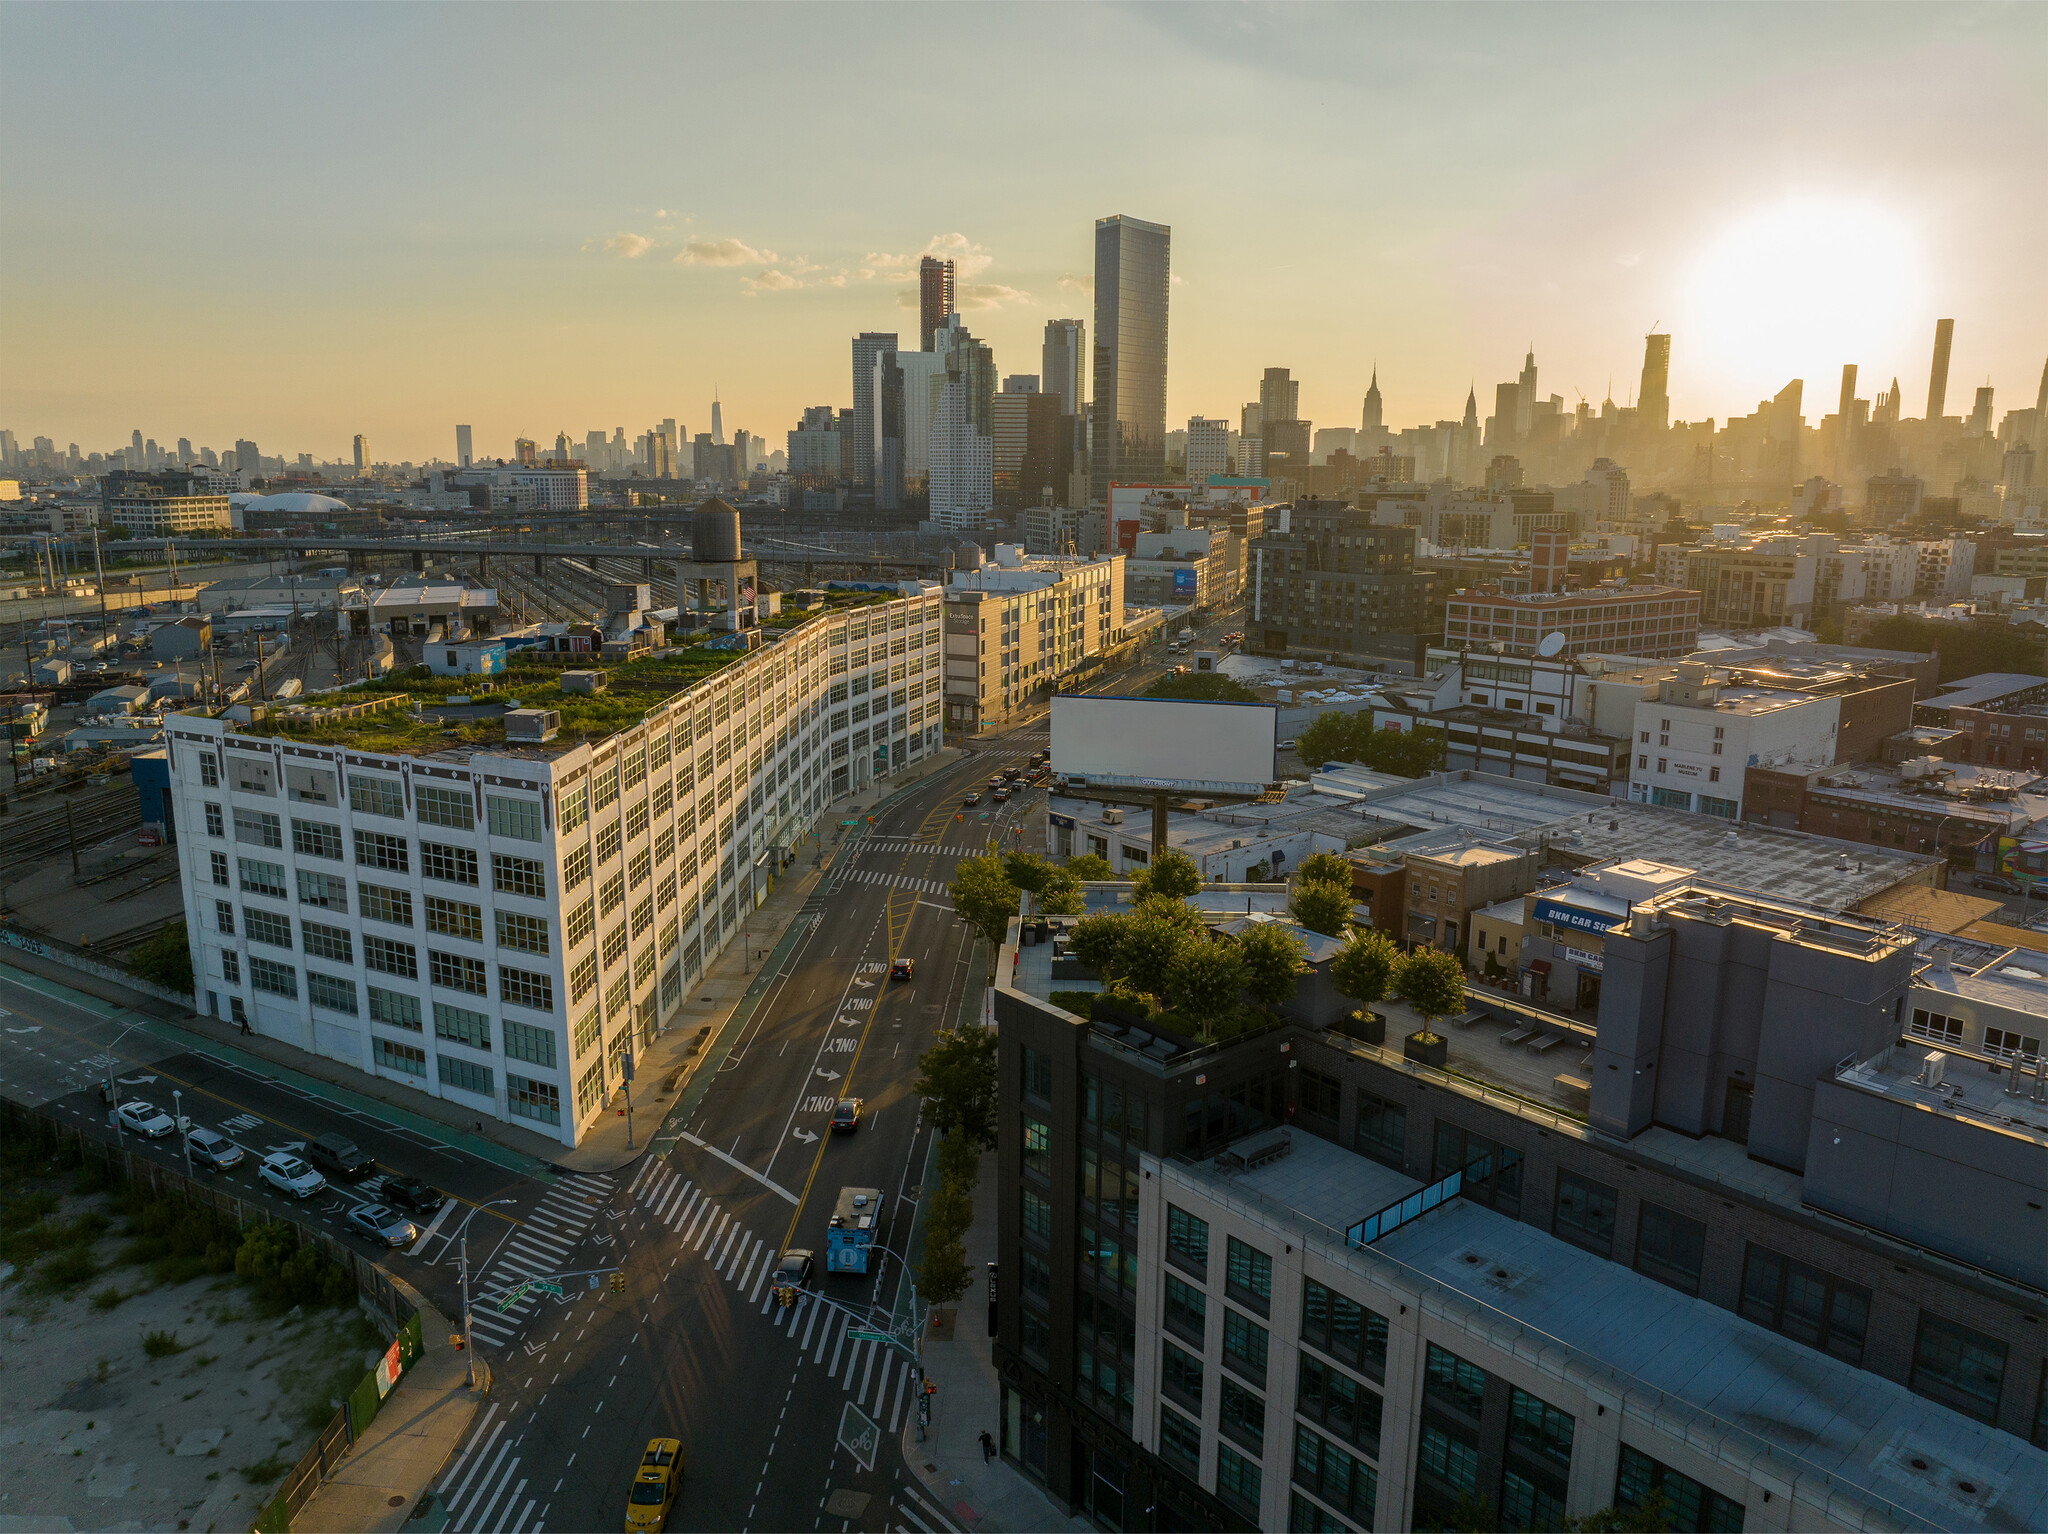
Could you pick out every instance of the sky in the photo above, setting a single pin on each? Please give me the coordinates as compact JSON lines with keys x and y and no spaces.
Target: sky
{"x":299,"y":222}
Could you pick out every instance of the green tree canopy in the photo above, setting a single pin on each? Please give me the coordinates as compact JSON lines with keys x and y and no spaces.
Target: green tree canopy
{"x":1964,"y":648}
{"x":1323,"y":868}
{"x":1204,"y":979}
{"x":956,"y":1077}
{"x":1351,"y":738}
{"x":1172,"y":874}
{"x":1151,"y":943}
{"x":1203,"y":686}
{"x":1272,"y":958}
{"x":1177,"y":913}
{"x":165,"y":958}
{"x":983,"y":896}
{"x":1364,"y":968}
{"x":1098,"y":940}
{"x":1432,"y":982}
{"x":1090,"y":869}
{"x":1324,"y":908}
{"x":1060,"y":893}
{"x":1026,"y":870}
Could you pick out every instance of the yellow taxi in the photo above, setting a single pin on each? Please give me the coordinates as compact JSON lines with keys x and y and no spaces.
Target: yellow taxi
{"x":655,"y":1485}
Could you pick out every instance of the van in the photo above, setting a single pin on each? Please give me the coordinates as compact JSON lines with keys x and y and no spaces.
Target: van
{"x":339,"y":1156}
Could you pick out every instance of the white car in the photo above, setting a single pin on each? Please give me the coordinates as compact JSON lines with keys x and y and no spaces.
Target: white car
{"x":146,"y":1118}
{"x":288,"y":1174}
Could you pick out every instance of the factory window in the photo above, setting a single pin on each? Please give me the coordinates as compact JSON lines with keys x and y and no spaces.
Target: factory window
{"x":375,"y":796}
{"x":458,"y":972}
{"x":529,"y":1099}
{"x":455,"y":918}
{"x":518,"y":876}
{"x":1935,"y":1028}
{"x":2009,"y":1045}
{"x":394,"y":1009}
{"x":452,"y":807}
{"x":526,"y":988}
{"x":465,"y":1075}
{"x":516,"y":818}
{"x":391,"y":957}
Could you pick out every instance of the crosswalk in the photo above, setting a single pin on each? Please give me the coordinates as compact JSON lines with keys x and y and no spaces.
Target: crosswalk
{"x":541,"y":1245}
{"x":876,"y":876}
{"x":906,"y":844}
{"x":879,"y":1379}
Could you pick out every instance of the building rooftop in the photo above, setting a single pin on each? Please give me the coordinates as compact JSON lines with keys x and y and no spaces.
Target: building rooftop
{"x":1953,"y":788}
{"x":1810,"y":1417}
{"x":1984,"y":690}
{"x":1581,"y":597}
{"x":1968,"y":1090}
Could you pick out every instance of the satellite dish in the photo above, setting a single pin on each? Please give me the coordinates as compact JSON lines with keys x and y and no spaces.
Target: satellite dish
{"x":1552,"y":643}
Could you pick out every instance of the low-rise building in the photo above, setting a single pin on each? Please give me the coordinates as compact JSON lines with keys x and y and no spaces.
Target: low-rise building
{"x":1970,"y":814}
{"x":1336,"y":583}
{"x":1017,"y":628}
{"x":161,"y":505}
{"x":1654,"y":622}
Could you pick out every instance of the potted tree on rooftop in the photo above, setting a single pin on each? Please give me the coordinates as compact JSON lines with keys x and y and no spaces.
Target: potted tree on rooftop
{"x":1363,"y":970}
{"x":1433,"y":983}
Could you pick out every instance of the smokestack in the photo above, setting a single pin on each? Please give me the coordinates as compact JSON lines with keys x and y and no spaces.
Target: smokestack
{"x":1937,"y":377}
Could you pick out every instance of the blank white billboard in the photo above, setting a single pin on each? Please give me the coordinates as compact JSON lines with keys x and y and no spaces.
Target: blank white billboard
{"x":1218,"y":748}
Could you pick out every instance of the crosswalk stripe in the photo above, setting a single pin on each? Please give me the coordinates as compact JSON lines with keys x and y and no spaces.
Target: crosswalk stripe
{"x":839,"y":1342}
{"x":810,"y":1324}
{"x":867,"y":1374}
{"x":461,"y":1490}
{"x":896,"y":1410}
{"x":474,"y":1437}
{"x":484,"y":1519}
{"x":683,"y":1208}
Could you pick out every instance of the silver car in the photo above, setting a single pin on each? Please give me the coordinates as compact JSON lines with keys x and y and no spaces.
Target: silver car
{"x":288,"y":1174}
{"x":382,"y":1224}
{"x":213,"y":1149}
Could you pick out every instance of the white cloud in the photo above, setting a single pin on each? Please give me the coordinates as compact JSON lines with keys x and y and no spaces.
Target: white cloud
{"x":968,"y":258}
{"x":1078,"y":284}
{"x":770,"y":281}
{"x":727,"y":252}
{"x":986,"y":295}
{"x":631,"y":246}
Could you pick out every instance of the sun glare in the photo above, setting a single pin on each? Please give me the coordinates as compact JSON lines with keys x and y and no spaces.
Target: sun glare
{"x":1799,"y":288}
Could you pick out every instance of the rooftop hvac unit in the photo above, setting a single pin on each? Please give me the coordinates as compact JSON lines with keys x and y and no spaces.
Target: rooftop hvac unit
{"x":532,"y":726}
{"x":1112,"y":816}
{"x":583,"y":681}
{"x":1931,"y":1069}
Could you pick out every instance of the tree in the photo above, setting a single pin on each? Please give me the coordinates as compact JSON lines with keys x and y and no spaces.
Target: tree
{"x":1272,"y":958}
{"x":164,"y":958}
{"x":1324,"y":868}
{"x":1089,"y":868}
{"x":959,"y":1162}
{"x":1097,"y":941}
{"x":1204,"y":979}
{"x":1324,"y":908}
{"x":1151,"y":943}
{"x":956,"y":1077}
{"x":1351,"y":738}
{"x":1652,"y":1515}
{"x":1964,"y":648}
{"x":1203,"y":686}
{"x":983,"y":896}
{"x":1172,"y":874}
{"x":1364,"y":968}
{"x":1433,"y":983}
{"x":943,"y":1275}
{"x":1026,"y":870}
{"x":1060,"y":894}
{"x":1331,"y":738}
{"x":1411,"y":753}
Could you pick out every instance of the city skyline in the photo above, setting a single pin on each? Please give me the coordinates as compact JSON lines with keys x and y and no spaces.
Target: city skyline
{"x":589,"y":268}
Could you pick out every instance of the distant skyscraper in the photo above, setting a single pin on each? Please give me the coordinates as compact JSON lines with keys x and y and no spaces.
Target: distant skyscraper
{"x":184,"y":450}
{"x":1506,"y":407}
{"x":1063,"y":364}
{"x":860,"y":462}
{"x":1279,"y":400}
{"x":2041,"y":416}
{"x":1133,"y":269}
{"x":1937,"y":375}
{"x":135,"y":453}
{"x":362,"y":447}
{"x":934,"y":296}
{"x":1653,"y":401}
{"x":1980,"y":413}
{"x":717,"y":423}
{"x":1208,"y":448}
{"x":1373,"y":420}
{"x":1021,"y":383}
{"x":462,"y":452}
{"x":247,"y":459}
{"x":1525,"y":397}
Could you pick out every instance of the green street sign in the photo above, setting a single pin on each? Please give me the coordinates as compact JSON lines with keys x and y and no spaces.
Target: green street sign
{"x":861,"y":1336}
{"x":512,"y":1296}
{"x":554,"y":1289}
{"x":849,"y":822}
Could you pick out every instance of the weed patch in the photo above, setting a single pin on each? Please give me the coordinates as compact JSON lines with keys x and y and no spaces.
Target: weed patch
{"x":162,"y":1344}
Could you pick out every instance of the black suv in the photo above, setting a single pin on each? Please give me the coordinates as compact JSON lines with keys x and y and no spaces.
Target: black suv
{"x":339,"y":1156}
{"x":412,"y":1193}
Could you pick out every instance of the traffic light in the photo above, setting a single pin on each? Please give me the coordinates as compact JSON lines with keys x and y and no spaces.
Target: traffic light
{"x":786,"y":1296}
{"x":618,"y":1283}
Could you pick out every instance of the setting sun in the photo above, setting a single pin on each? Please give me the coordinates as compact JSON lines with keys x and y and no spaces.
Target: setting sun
{"x":1800,"y":287}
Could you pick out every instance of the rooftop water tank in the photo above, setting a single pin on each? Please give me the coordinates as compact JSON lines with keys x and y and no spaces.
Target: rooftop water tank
{"x":715,"y":534}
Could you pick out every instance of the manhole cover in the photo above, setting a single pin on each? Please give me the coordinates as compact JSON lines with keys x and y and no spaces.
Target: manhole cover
{"x":395,"y":1502}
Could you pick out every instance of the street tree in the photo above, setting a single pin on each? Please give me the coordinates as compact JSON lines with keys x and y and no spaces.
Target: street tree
{"x":1060,"y":894}
{"x":1090,"y":869}
{"x":956,"y":1077}
{"x":983,"y":896}
{"x":1172,"y":874}
{"x":943,"y":1275}
{"x":1203,"y":980}
{"x":1272,"y":959}
{"x":1324,"y":908}
{"x":1433,"y":983}
{"x":1026,"y":870}
{"x":1324,"y":868}
{"x":1364,"y":968}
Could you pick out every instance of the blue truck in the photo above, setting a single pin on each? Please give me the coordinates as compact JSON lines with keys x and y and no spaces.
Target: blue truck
{"x":852,"y":1231}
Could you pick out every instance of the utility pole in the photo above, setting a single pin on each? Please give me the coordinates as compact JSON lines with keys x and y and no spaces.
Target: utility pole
{"x":99,"y":571}
{"x":261,"y":690}
{"x":71,"y":834}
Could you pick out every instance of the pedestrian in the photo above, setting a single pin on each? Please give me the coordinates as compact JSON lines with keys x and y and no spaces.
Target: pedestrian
{"x":988,"y":1447}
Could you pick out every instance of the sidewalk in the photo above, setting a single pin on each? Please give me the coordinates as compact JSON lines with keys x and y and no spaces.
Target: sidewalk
{"x":980,"y":1496}
{"x":380,"y":1482}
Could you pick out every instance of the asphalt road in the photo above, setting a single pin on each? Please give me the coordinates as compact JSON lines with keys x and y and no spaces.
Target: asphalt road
{"x":777,"y":1409}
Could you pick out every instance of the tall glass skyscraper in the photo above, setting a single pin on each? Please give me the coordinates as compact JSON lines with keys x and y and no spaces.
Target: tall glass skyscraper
{"x":1132,"y":269}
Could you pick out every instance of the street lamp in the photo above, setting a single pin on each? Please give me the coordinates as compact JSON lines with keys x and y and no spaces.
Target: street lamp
{"x":468,"y":1345}
{"x":184,"y":1131}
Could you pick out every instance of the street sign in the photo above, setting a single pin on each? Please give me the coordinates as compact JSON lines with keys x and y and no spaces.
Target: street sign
{"x":547,"y":1288}
{"x":858,"y":1335}
{"x":859,"y":1435}
{"x":511,"y":1297}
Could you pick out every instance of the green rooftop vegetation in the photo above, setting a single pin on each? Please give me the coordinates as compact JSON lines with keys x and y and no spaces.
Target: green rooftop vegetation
{"x":632,"y":690}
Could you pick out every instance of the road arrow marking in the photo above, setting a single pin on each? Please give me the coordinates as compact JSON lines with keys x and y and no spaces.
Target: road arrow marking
{"x":865,"y":985}
{"x":828,"y":1075}
{"x":37,"y":1029}
{"x":806,"y":1136}
{"x":128,"y":1081}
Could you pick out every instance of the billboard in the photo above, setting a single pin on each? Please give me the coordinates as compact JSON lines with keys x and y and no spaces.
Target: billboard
{"x":1183,"y":585}
{"x":1171,"y":743}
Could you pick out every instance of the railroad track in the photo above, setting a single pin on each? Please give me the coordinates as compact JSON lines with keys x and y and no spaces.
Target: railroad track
{"x":48,"y":836}
{"x":129,"y":937}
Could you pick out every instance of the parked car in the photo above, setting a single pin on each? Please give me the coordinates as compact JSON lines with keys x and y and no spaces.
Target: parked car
{"x":145,"y":1118}
{"x":846,"y":1117}
{"x":413,"y":1193}
{"x":213,"y":1149}
{"x":339,"y":1156}
{"x":382,"y":1224}
{"x":286,"y":1173}
{"x":1997,"y":883}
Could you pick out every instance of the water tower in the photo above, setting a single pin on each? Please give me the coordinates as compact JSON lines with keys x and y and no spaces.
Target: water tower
{"x":715,"y":560}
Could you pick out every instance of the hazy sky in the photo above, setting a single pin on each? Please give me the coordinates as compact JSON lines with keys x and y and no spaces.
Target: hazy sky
{"x":295,"y":222}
